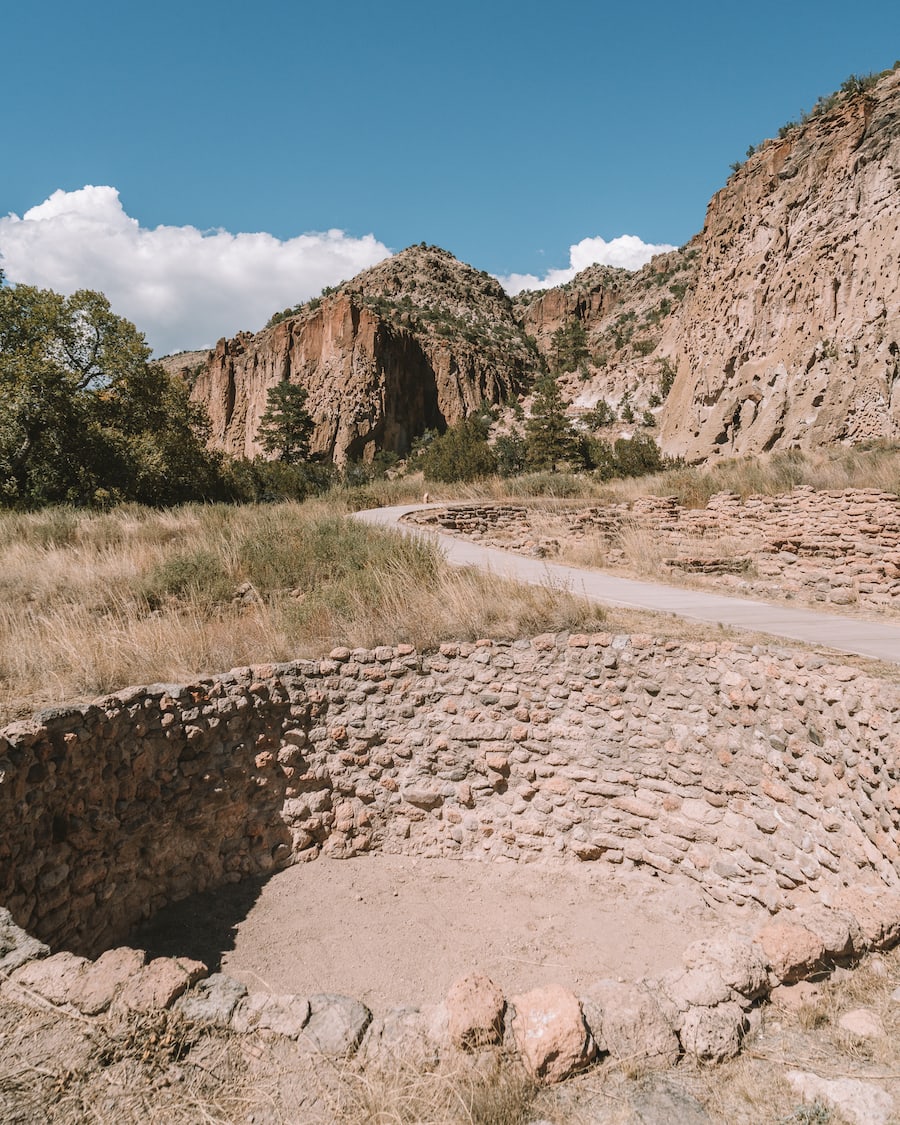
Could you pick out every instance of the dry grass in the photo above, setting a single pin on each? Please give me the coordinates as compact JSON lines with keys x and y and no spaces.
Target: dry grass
{"x":487,"y":1090}
{"x":869,"y":465}
{"x":92,"y":603}
{"x":875,"y":465}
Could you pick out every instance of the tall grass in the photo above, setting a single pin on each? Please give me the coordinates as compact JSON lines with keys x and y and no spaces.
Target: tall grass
{"x":92,"y":603}
{"x":869,"y":465}
{"x":875,"y":465}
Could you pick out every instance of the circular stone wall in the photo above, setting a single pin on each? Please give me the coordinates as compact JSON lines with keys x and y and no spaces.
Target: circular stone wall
{"x":764,"y":778}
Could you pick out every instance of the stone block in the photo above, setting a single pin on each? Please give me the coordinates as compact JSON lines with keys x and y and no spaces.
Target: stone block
{"x":285,"y":1015}
{"x":550,"y":1033}
{"x":713,"y":1034}
{"x":212,"y":1000}
{"x":737,"y":961}
{"x":52,"y":977}
{"x":159,"y":984}
{"x":336,"y":1024}
{"x":877,"y":912}
{"x":475,"y":1007}
{"x":95,"y":988}
{"x":792,"y":951}
{"x":627,"y":1023}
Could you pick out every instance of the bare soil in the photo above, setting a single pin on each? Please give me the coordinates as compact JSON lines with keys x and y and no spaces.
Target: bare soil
{"x":394,"y":930}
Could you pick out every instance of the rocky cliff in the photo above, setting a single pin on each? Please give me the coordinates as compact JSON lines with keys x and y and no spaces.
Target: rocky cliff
{"x":415,"y":343}
{"x":779,"y":323}
{"x":791,"y":335}
{"x":631,"y":322}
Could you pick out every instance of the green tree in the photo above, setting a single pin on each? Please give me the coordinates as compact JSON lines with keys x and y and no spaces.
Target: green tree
{"x":569,"y":344}
{"x":85,"y":417}
{"x":510,"y":450}
{"x":462,"y":452}
{"x":600,"y":415}
{"x":549,"y":435}
{"x":286,"y":426}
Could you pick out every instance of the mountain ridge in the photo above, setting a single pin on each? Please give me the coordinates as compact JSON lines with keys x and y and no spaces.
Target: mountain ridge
{"x":775,"y":326}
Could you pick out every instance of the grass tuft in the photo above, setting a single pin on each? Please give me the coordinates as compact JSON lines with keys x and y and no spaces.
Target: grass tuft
{"x":92,"y":603}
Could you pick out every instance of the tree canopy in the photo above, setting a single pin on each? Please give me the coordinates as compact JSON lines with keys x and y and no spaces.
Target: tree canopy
{"x":462,"y":452}
{"x":85,"y":417}
{"x":548,"y":431}
{"x":286,"y":427}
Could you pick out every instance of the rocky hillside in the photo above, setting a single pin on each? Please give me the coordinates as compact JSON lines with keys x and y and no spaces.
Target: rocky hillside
{"x":777,"y":326}
{"x":791,"y":335}
{"x":418,"y":341}
{"x":630,"y":322}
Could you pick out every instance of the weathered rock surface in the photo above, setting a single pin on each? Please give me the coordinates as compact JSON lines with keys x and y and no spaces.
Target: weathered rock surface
{"x":791,"y":336}
{"x":336,"y":1024}
{"x":861,"y":1103}
{"x":792,"y":951}
{"x":417,"y":342}
{"x":550,"y":1033}
{"x":475,"y":1007}
{"x":627,"y":1023}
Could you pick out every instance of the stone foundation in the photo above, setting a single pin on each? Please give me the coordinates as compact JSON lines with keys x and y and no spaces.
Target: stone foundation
{"x":837,"y":548}
{"x":764,"y":776}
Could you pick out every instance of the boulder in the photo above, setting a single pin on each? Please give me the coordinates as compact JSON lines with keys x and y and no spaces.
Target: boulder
{"x":627,"y":1023}
{"x":792,"y":951}
{"x":475,"y":1007}
{"x":550,"y":1033}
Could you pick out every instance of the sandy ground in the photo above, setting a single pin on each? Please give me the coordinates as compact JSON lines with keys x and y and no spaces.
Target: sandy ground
{"x":392,"y":929}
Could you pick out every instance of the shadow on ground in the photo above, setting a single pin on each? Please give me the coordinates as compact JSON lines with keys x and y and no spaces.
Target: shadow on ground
{"x":202,"y":926}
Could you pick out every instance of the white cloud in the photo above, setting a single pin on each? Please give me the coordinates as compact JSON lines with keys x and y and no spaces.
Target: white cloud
{"x":185,"y":288}
{"x":182,"y":287}
{"x":627,"y":251}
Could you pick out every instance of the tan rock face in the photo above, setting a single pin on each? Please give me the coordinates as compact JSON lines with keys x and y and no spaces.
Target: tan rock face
{"x":631,"y":323}
{"x":415,"y":343}
{"x":793,"y":951}
{"x":791,"y":336}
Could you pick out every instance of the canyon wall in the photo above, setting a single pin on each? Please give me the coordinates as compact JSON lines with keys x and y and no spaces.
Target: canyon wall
{"x":415,"y":343}
{"x":791,"y":335}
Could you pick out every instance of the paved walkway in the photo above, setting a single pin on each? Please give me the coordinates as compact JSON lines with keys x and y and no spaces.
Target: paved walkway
{"x":845,"y":634}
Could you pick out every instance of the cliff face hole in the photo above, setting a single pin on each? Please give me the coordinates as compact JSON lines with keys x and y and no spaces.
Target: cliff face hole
{"x":628,"y":793}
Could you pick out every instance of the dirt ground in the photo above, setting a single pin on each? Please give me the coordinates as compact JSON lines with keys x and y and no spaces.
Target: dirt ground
{"x":391,"y":929}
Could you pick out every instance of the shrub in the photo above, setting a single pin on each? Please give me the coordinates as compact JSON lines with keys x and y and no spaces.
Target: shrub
{"x":600,"y":415}
{"x":462,"y":453}
{"x":196,"y":576}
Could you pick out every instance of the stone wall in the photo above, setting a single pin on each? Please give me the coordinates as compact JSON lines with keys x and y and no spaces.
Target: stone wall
{"x":839,"y":547}
{"x":763,"y":775}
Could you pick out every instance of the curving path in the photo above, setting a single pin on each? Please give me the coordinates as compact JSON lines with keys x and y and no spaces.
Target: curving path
{"x":873,"y":639}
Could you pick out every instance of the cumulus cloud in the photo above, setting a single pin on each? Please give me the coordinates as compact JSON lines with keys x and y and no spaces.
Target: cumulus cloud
{"x":627,"y":251}
{"x":184,"y":288}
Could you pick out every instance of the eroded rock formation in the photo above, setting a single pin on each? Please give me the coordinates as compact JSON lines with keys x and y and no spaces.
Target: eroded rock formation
{"x":791,"y":336}
{"x":781,"y":320}
{"x":415,"y":343}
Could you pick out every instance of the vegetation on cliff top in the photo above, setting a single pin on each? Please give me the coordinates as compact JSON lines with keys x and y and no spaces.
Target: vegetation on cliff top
{"x":853,"y":85}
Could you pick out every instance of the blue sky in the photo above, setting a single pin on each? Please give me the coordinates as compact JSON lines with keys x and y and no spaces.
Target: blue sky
{"x":504,"y":131}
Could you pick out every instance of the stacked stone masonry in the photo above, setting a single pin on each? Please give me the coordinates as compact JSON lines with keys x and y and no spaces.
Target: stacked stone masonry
{"x":765,"y":776}
{"x":840,"y":547}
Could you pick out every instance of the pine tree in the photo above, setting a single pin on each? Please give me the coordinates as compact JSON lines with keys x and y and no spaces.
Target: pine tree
{"x":286,"y":426}
{"x":569,"y":346}
{"x":548,"y":431}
